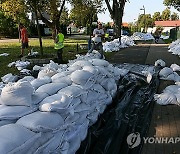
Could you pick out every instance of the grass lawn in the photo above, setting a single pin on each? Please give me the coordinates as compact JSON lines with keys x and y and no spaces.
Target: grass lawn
{"x":13,"y":48}
{"x":168,"y":41}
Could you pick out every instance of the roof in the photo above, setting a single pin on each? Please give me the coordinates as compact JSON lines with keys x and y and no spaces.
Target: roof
{"x":168,"y":23}
{"x":124,"y":24}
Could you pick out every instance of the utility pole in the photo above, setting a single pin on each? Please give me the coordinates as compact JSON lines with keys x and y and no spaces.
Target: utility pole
{"x":144,"y":17}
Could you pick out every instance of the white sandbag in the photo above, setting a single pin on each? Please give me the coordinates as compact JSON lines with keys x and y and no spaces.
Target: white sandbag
{"x":99,"y":62}
{"x":67,"y":80}
{"x":51,"y":88}
{"x":72,"y":91}
{"x":14,"y":112}
{"x":90,"y":97}
{"x":27,"y":78}
{"x":58,"y":103}
{"x":98,"y":88}
{"x":174,"y":77}
{"x":75,"y":102}
{"x":91,"y":69}
{"x":93,"y":117}
{"x":37,"y":97}
{"x":74,"y":68}
{"x":64,"y":148}
{"x":19,"y":93}
{"x":6,"y":122}
{"x":160,"y":62}
{"x":46,"y":72}
{"x":72,"y":119}
{"x":60,"y":75}
{"x":175,"y":67}
{"x":83,"y":78}
{"x":82,"y":117}
{"x":74,"y":144}
{"x":165,"y":98}
{"x":165,"y":72}
{"x":16,"y":139}
{"x":82,"y":63}
{"x":103,"y":71}
{"x":172,"y":89}
{"x":9,"y":78}
{"x":41,"y":121}
{"x":82,"y":107}
{"x":53,"y":143}
{"x":108,"y":84}
{"x":36,"y":68}
{"x":36,"y":83}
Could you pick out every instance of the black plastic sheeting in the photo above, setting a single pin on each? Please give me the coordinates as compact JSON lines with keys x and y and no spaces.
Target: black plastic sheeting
{"x":130,"y":112}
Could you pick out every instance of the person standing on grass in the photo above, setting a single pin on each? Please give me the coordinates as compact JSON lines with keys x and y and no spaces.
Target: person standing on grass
{"x":58,"y":46}
{"x":24,"y":39}
{"x":98,"y":35}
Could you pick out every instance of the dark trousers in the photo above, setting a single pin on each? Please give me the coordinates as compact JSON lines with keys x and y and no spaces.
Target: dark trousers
{"x":59,"y":55}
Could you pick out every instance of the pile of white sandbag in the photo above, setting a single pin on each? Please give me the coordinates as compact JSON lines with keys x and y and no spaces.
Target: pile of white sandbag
{"x":142,"y":36}
{"x":20,"y":65}
{"x":53,"y":111}
{"x":170,"y":95}
{"x":170,"y":73}
{"x":174,"y":47}
{"x":115,"y":45}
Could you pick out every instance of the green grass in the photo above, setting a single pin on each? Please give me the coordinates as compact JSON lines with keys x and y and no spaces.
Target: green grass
{"x":168,"y":41}
{"x":13,"y":48}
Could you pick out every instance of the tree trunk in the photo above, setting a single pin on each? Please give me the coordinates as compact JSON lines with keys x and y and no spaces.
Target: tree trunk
{"x":39,"y":32}
{"x":55,"y":24}
{"x":116,"y":12}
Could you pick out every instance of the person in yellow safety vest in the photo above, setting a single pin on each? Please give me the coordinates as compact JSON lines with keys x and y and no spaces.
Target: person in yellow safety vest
{"x":58,"y":46}
{"x":106,"y":37}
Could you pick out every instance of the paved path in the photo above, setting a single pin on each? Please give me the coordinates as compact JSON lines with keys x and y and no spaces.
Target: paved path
{"x":166,"y":119}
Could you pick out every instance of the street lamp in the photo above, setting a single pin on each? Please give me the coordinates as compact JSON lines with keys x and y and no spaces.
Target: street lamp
{"x":144,"y":17}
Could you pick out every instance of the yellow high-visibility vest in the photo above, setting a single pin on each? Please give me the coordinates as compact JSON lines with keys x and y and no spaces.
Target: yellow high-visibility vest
{"x":106,"y":35}
{"x":59,"y":44}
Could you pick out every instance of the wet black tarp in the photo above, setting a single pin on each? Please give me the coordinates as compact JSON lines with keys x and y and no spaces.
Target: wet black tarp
{"x":130,"y":112}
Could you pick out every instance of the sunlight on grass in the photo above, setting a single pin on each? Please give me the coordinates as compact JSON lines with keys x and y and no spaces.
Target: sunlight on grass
{"x":13,"y":48}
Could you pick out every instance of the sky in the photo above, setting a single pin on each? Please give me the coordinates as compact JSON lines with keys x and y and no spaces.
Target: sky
{"x":132,"y":10}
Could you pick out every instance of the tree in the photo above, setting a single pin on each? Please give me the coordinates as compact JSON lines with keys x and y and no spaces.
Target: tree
{"x":15,"y":9}
{"x":53,"y":8}
{"x":166,"y":14}
{"x":7,"y":25}
{"x":174,"y":16}
{"x":156,"y":16}
{"x":145,"y":21}
{"x":174,"y":3}
{"x":116,"y":11}
{"x":81,"y":13}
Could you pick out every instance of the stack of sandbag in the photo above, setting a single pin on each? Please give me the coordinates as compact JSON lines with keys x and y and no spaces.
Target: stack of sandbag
{"x":142,"y":36}
{"x":60,"y":104}
{"x":169,"y":73}
{"x":174,"y":47}
{"x":170,"y":95}
{"x":18,"y":99}
{"x":20,"y":65}
{"x":115,"y":45}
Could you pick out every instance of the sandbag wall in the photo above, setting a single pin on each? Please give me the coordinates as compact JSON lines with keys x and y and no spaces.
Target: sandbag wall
{"x":52,"y":113}
{"x":130,"y":112}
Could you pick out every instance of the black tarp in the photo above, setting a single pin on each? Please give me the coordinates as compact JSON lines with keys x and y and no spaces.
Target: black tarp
{"x":130,"y":112}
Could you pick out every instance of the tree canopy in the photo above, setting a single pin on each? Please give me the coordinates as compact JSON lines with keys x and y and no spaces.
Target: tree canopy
{"x":174,"y":16}
{"x":166,"y":14}
{"x":174,"y":3}
{"x":156,"y":16}
{"x":116,"y":11}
